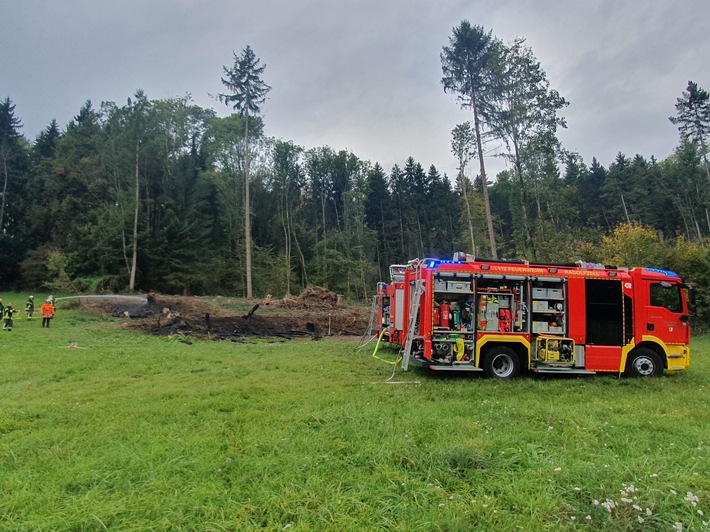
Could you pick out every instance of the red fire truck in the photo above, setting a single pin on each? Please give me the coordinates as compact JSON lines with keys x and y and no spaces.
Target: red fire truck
{"x":501,"y":317}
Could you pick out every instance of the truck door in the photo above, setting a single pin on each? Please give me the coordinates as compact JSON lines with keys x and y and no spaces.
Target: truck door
{"x":606,"y":324}
{"x":666,"y":317}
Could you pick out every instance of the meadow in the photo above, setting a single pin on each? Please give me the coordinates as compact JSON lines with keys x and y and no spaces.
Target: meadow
{"x":103,"y":428}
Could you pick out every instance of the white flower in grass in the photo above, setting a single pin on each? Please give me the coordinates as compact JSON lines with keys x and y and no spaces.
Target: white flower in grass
{"x":596,"y":502}
{"x":441,"y":505}
{"x":558,"y":469}
{"x":692,"y":499}
{"x":674,"y":492}
{"x":700,"y":513}
{"x":588,"y":518}
{"x":679,"y":526}
{"x":609,"y":505}
{"x":577,"y":489}
{"x":641,"y":519}
{"x":638,"y":508}
{"x":627,"y":500}
{"x":649,"y":512}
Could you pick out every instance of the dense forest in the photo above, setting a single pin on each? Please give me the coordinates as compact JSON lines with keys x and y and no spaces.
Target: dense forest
{"x":165,"y":195}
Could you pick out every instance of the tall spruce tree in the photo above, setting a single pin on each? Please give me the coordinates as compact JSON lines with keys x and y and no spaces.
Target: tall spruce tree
{"x":12,"y":155}
{"x":247,"y":92}
{"x":467,"y":64}
{"x":14,"y":164}
{"x":693,"y":119}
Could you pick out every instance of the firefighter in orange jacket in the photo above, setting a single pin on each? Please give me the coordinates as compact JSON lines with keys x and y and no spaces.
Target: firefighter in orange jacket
{"x":47,"y":313}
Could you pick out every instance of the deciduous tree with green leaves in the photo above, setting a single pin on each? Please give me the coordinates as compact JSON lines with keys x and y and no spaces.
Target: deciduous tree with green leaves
{"x":523,"y":112}
{"x":247,"y":93}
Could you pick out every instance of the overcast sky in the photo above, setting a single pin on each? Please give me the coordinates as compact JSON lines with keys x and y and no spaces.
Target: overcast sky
{"x":361,"y":75}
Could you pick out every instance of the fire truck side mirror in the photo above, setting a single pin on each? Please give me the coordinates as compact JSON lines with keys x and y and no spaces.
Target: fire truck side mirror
{"x":691,"y":296}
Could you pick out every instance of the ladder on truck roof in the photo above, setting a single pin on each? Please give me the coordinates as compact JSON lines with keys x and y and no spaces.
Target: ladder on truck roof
{"x":415,"y":297}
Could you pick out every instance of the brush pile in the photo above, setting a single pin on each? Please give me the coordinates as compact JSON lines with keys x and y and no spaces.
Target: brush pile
{"x":313,"y":298}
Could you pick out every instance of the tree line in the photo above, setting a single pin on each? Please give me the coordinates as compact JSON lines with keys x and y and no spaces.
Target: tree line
{"x":165,"y":195}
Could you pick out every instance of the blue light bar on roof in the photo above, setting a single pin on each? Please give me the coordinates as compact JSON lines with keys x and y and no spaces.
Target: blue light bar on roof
{"x":434,"y":263}
{"x":667,"y":273}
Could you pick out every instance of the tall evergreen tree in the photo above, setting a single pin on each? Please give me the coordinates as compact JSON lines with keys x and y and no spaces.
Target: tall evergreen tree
{"x":378,"y":216}
{"x":12,"y":155}
{"x":467,"y":64}
{"x":247,"y":92}
{"x":14,"y":165}
{"x":693,"y":119}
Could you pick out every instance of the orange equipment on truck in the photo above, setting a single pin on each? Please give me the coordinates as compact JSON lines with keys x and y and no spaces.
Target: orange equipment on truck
{"x":501,"y":317}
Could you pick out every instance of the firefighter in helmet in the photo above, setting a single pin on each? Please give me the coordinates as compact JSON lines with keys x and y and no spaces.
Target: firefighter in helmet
{"x":30,"y":307}
{"x":7,"y":315}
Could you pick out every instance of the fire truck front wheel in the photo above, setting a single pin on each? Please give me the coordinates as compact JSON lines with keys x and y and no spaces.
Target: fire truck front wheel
{"x":501,"y":362}
{"x":644,"y":362}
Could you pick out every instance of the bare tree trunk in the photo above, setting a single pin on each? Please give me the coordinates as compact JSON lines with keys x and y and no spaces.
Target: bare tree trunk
{"x":4,"y":187}
{"x":523,"y":199}
{"x":705,"y":156}
{"x":484,"y":182}
{"x":464,"y":189}
{"x":304,"y":278}
{"x":134,"y":260}
{"x":626,"y":213}
{"x":288,"y":245}
{"x":247,"y":215}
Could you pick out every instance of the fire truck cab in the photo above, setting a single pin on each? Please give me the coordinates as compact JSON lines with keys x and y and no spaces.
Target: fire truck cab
{"x":502,"y":317}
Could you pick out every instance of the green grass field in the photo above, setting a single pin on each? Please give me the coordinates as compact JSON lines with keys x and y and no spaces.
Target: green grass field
{"x":130,"y":432}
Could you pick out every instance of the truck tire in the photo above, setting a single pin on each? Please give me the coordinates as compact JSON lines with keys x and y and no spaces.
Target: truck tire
{"x":501,"y":363}
{"x":644,"y":362}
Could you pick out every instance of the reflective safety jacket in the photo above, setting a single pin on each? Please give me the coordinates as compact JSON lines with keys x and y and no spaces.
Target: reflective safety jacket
{"x":47,"y":310}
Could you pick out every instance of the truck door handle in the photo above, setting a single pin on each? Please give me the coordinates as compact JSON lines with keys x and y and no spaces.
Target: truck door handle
{"x":684,"y":318}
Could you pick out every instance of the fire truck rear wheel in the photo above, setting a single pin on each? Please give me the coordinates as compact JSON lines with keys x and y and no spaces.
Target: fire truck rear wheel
{"x":644,"y":362}
{"x":502,"y":363}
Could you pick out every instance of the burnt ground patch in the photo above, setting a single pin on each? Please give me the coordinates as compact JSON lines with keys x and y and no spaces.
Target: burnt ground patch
{"x":315,"y":313}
